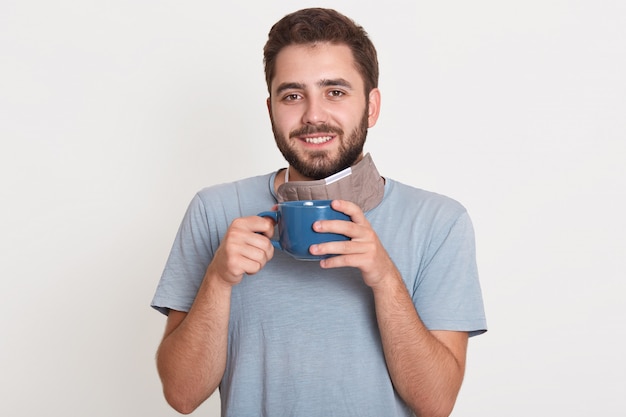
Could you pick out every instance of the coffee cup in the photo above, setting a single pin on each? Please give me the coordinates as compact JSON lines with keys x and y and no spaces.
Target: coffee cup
{"x":295,"y":219}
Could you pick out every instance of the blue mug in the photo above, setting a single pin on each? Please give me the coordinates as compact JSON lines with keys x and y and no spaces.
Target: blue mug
{"x":295,"y":227}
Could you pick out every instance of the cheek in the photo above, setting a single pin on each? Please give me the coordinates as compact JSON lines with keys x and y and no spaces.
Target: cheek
{"x":350,"y":121}
{"x":286,"y":119}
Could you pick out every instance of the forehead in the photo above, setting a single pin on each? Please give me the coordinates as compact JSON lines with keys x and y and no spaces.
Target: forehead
{"x":310,"y":63}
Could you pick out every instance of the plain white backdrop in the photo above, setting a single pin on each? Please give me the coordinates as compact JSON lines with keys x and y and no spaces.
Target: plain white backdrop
{"x":114,"y":113}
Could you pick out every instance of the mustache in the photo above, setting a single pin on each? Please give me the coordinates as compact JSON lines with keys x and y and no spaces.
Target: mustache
{"x":311,"y":129}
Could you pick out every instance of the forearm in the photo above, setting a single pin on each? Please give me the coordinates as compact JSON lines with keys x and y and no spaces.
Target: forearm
{"x":425,"y":372}
{"x":192,"y":358}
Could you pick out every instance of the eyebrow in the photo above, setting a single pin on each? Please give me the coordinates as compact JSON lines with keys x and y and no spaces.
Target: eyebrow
{"x":336,"y":82}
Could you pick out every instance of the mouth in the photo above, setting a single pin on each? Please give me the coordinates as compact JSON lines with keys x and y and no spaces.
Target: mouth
{"x":317,"y":140}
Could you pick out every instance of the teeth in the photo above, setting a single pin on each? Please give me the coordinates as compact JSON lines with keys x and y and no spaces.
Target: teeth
{"x":318,"y":140}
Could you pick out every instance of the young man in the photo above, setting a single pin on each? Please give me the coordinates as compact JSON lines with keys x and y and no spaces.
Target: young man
{"x":379,"y":330}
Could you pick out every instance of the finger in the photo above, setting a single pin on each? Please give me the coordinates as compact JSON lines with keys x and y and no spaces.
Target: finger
{"x":250,"y":258}
{"x":341,"y":227}
{"x":344,"y":247}
{"x":350,"y":209}
{"x":267,"y":225}
{"x":255,"y":258}
{"x":257,"y":224}
{"x":337,"y":261}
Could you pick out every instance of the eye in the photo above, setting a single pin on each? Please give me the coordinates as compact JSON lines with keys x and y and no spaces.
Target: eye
{"x":336,"y":93}
{"x":292,"y":97}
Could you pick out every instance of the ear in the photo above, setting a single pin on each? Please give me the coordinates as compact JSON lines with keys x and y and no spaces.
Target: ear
{"x":374,"y":107}
{"x":268,"y":102}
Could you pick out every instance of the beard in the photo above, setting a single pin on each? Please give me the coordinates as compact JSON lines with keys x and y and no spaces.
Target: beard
{"x":318,"y":165}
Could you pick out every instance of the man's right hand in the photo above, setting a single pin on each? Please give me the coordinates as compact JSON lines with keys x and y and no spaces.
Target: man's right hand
{"x":245,"y":249}
{"x":192,"y":355}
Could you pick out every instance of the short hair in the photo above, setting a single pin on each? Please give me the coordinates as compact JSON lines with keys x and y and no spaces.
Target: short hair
{"x":310,"y":26}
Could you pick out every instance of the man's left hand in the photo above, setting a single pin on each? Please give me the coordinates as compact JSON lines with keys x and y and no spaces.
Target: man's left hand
{"x":363,"y":251}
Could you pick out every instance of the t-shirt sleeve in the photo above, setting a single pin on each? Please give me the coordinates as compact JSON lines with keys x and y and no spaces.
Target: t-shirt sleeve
{"x":186,"y":265}
{"x":447,"y":293}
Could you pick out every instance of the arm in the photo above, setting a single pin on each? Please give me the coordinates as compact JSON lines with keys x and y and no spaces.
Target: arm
{"x":191,"y":358}
{"x":426,"y":367}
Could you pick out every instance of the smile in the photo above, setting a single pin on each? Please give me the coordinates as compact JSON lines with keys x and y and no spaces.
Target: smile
{"x":318,"y":140}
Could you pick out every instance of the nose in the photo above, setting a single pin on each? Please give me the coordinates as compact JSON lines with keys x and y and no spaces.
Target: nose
{"x":315,"y":112}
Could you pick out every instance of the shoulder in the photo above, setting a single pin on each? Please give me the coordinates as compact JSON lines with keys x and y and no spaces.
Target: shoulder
{"x":412,"y":199}
{"x":242,"y":197}
{"x":257,"y":184}
{"x":418,"y":212}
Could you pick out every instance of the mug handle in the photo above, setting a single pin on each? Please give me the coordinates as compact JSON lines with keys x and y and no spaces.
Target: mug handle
{"x":274,"y":216}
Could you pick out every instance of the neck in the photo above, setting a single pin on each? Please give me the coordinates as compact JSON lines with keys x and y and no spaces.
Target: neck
{"x":361,"y":184}
{"x":291,"y":174}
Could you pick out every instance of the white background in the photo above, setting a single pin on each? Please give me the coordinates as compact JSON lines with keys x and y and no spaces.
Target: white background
{"x":114,"y":113}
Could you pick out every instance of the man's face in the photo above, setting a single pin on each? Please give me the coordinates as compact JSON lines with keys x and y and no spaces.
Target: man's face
{"x":319,"y":110}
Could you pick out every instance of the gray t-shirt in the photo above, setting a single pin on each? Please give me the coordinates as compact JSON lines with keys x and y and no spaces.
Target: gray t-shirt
{"x":304,"y":341}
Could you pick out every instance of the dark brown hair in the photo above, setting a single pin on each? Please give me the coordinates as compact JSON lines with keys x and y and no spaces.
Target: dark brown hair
{"x":309,"y":26}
